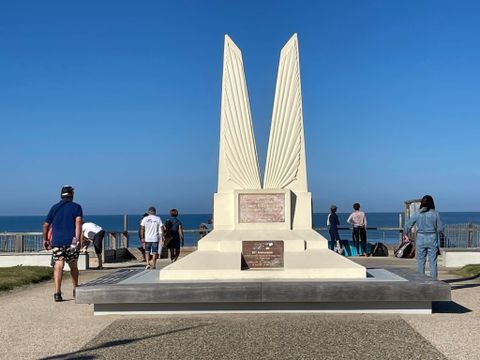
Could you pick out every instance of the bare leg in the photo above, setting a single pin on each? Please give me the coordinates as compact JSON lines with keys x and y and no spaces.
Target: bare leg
{"x":147,"y":257}
{"x":155,"y":255}
{"x":57,"y":275}
{"x":100,"y":261}
{"x":74,"y":273}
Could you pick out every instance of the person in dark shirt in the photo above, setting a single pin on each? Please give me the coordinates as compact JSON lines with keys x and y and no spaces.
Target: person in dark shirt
{"x":65,"y":221}
{"x":332,"y":223}
{"x":176,"y":230}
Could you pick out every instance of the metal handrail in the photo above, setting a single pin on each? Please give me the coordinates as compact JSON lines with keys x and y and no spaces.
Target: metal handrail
{"x":456,"y":236}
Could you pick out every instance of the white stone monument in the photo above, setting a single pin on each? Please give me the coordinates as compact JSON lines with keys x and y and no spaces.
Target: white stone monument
{"x":262,"y":232}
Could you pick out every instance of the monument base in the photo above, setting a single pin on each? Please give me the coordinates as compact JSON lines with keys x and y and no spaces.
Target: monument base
{"x":393,"y":290}
{"x":306,"y":256}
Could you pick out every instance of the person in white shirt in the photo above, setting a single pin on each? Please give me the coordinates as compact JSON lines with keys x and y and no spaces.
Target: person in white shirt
{"x":151,"y":235}
{"x":359,"y":221}
{"x":93,"y":233}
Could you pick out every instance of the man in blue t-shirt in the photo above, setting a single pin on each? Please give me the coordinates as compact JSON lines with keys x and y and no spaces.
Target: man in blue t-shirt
{"x":64,"y":222}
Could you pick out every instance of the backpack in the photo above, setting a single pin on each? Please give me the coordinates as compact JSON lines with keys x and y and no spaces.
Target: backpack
{"x":380,"y":250}
{"x":167,"y":232}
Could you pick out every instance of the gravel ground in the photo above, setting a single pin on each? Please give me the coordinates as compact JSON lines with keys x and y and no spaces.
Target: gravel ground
{"x":34,"y":327}
{"x":273,"y":336}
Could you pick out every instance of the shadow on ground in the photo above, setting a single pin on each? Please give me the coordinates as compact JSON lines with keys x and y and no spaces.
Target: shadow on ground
{"x":81,"y":354}
{"x":259,"y":336}
{"x":449,"y":307}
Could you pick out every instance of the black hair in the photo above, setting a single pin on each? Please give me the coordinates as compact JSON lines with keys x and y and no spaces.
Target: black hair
{"x":174,"y":213}
{"x":356,"y":206}
{"x":427,"y":203}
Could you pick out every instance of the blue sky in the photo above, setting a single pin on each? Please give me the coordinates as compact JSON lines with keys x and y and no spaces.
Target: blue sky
{"x":122,"y":100}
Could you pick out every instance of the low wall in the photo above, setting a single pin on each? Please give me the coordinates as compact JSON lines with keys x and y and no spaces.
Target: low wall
{"x":37,"y":259}
{"x":460,"y":257}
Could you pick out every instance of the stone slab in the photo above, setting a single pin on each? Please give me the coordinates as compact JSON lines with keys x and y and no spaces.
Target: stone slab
{"x":384,"y":290}
{"x":460,"y":257}
{"x":261,"y":208}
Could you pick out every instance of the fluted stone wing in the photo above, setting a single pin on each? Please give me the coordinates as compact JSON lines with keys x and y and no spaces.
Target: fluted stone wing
{"x":238,"y":161}
{"x":286,"y":167}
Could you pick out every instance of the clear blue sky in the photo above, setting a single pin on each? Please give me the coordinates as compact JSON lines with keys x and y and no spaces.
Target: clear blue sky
{"x":122,"y":100}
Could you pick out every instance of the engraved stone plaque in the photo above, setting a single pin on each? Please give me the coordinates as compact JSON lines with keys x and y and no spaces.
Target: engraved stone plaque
{"x":261,"y":208}
{"x":262,"y":254}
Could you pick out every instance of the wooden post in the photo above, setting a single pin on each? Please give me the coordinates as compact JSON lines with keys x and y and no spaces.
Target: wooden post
{"x":19,"y":243}
{"x":125,"y":222}
{"x":400,"y":225}
{"x":124,"y":239}
{"x":113,"y":245}
{"x":469,"y":235}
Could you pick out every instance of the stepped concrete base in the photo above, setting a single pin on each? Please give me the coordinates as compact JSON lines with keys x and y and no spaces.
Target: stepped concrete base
{"x":393,"y":290}
{"x":307,"y":264}
{"x":306,"y":256}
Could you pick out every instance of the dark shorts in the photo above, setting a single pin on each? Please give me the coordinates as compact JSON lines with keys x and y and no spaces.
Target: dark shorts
{"x":98,"y":242}
{"x":151,"y":247}
{"x":65,"y":253}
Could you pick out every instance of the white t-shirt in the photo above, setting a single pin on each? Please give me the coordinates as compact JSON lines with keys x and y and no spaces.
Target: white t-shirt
{"x":153,"y":228}
{"x":90,"y":230}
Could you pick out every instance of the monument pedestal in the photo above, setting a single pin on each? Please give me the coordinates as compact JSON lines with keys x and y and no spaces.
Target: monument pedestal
{"x":306,"y":256}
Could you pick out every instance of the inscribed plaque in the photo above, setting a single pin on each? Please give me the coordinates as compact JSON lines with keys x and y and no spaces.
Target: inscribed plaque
{"x":262,"y":254}
{"x":261,"y":208}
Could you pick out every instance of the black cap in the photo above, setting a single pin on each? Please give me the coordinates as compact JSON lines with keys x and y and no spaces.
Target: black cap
{"x":67,"y":191}
{"x":152,"y":210}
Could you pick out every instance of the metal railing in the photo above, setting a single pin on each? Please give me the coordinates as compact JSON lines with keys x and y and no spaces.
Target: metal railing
{"x":12,"y":242}
{"x":462,"y":236}
{"x":390,"y":235}
{"x":456,"y":236}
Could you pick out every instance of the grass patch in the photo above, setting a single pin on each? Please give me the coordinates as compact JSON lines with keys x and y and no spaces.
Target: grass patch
{"x":469,"y":270}
{"x":12,"y":277}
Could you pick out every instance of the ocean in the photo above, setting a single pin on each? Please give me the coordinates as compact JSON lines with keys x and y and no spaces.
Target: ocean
{"x":193,"y":221}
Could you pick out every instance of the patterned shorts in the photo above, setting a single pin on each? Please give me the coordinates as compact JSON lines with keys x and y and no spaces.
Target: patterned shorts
{"x":65,"y":253}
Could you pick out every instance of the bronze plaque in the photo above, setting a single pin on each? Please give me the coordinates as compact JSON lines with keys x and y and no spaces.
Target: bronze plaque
{"x":262,"y":254}
{"x":261,"y":208}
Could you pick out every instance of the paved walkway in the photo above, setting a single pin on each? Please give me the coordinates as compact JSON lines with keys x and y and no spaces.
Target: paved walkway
{"x":34,"y":327}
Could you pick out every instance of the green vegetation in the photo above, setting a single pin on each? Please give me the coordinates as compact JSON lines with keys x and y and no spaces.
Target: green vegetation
{"x":23,"y":275}
{"x":469,"y":270}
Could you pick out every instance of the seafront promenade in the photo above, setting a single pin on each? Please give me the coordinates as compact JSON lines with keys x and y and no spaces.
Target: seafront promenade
{"x":34,"y":327}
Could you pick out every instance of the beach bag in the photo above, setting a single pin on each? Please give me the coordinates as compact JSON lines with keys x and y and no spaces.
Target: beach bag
{"x":167,"y":233}
{"x":380,"y":250}
{"x":406,"y":250}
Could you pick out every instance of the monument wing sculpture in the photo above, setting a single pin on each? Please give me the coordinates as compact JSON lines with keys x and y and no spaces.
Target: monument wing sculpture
{"x":285,"y":166}
{"x":238,"y":161}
